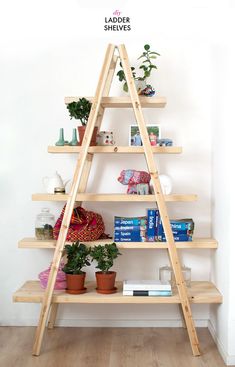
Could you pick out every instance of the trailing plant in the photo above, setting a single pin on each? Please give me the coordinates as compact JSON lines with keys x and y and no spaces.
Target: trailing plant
{"x":77,"y":258}
{"x":146,"y":67}
{"x":80,"y":110}
{"x":104,"y":256}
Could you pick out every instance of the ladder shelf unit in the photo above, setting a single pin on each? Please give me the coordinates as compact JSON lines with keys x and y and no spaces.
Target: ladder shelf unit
{"x":199,"y":292}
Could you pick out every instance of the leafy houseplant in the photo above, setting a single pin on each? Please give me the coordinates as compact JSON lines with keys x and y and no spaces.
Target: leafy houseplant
{"x":77,"y":258}
{"x":80,"y":110}
{"x":104,"y":255}
{"x":146,"y":67}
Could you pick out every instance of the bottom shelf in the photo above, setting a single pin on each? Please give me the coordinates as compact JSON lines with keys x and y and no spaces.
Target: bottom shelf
{"x":199,"y":292}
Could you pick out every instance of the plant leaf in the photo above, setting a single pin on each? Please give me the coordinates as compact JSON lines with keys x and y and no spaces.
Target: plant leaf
{"x":146,"y":47}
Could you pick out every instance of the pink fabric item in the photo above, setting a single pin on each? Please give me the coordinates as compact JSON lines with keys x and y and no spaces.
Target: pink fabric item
{"x":60,"y":278}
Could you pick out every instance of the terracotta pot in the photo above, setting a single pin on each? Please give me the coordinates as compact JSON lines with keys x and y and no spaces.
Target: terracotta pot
{"x":75,"y":283}
{"x":81,"y":132}
{"x":105,"y":282}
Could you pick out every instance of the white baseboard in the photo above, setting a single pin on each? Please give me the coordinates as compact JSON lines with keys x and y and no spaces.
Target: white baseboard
{"x":228,"y":360}
{"x":105,"y":323}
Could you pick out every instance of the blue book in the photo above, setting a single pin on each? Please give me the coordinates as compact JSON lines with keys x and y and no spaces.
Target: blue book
{"x":126,"y":228}
{"x":129,"y":221}
{"x":151,"y":222}
{"x":179,"y":238}
{"x":179,"y":227}
{"x":128,"y":239}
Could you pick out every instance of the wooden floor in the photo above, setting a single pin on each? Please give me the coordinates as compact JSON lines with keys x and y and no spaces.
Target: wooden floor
{"x":107,"y":347}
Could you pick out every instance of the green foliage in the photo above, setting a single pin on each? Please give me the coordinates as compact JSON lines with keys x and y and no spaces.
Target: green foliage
{"x":80,"y":110}
{"x":146,"y":67}
{"x":104,"y":256}
{"x":77,"y":258}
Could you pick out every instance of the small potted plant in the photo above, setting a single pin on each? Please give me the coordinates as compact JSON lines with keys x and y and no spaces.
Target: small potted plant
{"x":146,"y":67}
{"x":80,"y":110}
{"x":77,"y":258}
{"x":104,"y":256}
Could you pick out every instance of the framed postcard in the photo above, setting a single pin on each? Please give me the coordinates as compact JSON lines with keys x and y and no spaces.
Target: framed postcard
{"x":154,"y":132}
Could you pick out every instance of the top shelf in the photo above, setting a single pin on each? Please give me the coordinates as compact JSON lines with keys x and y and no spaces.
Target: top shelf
{"x":124,"y":102}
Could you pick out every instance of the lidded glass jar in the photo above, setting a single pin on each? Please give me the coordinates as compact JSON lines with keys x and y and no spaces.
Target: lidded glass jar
{"x":44,"y":224}
{"x":166,"y":274}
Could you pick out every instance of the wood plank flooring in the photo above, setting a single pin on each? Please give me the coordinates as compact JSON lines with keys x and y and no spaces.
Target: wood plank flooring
{"x":107,"y":347}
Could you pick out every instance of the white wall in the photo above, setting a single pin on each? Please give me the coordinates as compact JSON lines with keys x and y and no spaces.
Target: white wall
{"x":51,"y":51}
{"x":223,"y":318}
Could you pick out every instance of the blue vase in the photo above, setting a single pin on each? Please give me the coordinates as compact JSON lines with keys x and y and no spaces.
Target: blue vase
{"x":74,"y":140}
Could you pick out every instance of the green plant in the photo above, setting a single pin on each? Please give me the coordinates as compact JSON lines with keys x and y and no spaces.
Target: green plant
{"x":80,"y":110}
{"x":146,"y":67}
{"x":104,"y":255}
{"x":77,"y":258}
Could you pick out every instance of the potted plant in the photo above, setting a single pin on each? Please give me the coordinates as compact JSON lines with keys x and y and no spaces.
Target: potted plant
{"x":77,"y":258}
{"x":104,"y":256}
{"x":146,"y":67}
{"x":80,"y":110}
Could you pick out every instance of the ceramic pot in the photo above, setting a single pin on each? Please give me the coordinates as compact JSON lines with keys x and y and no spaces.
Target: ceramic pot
{"x":75,"y":283}
{"x":81,"y":132}
{"x":105,"y":282}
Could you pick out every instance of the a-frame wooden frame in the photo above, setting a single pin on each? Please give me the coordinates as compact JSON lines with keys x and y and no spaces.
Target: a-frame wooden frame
{"x":79,"y":185}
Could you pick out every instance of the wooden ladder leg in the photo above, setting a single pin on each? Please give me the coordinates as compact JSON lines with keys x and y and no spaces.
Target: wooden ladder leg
{"x":86,"y":172}
{"x":161,"y":203}
{"x":71,"y":199}
{"x":52,"y":316}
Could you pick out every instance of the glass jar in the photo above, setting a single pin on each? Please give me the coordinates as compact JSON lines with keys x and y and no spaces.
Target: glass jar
{"x":44,"y":224}
{"x":166,"y":274}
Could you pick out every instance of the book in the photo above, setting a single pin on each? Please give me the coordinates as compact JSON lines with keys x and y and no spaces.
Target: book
{"x":150,"y":293}
{"x":146,"y":285}
{"x":127,"y":228}
{"x":130,"y":221}
{"x":180,"y":228}
{"x":151,"y":223}
{"x":179,"y":238}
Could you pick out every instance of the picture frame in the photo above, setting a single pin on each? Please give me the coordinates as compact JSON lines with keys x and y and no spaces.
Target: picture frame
{"x":154,"y":131}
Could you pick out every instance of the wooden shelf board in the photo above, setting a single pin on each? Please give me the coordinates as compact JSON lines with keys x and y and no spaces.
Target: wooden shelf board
{"x":199,"y":292}
{"x":124,"y":102}
{"x":113,"y":197}
{"x":114,"y":149}
{"x":197,"y":243}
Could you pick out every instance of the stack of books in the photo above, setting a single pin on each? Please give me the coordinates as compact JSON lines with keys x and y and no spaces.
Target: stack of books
{"x":182,"y":228}
{"x":154,"y":288}
{"x":130,"y":229}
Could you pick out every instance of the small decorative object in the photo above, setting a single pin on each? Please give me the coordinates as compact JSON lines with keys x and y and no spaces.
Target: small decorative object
{"x":55,"y":181}
{"x":166,"y":274}
{"x":104,"y":256}
{"x":132,"y":177}
{"x":44,"y":225}
{"x":166,"y":184}
{"x":146,"y":67}
{"x":60,"y":283}
{"x":84,"y":225}
{"x":80,"y":110}
{"x":154,"y":132}
{"x":77,"y":258}
{"x":142,"y":189}
{"x":74,"y":140}
{"x":61,"y":140}
{"x":148,"y":91}
{"x":59,"y":190}
{"x":105,"y":138}
{"x":164,"y":142}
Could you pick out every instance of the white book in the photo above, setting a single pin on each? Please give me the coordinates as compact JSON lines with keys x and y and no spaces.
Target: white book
{"x":138,"y":285}
{"x":150,"y":293}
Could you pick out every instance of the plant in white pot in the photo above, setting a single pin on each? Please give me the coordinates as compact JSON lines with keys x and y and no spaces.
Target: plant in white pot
{"x":104,"y":255}
{"x":80,"y":110}
{"x":147,"y":65}
{"x":77,"y":259}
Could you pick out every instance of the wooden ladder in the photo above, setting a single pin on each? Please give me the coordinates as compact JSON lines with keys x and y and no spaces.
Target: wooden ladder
{"x":82,"y":170}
